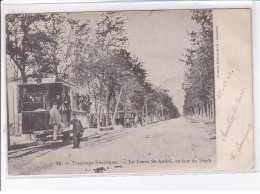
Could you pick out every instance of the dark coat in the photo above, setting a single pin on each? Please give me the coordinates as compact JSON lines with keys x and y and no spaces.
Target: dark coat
{"x":77,"y":126}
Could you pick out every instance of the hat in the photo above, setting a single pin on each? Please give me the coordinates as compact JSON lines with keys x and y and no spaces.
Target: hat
{"x":74,"y":113}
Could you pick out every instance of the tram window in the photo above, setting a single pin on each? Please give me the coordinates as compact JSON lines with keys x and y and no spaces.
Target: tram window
{"x":27,"y":90}
{"x":41,"y":89}
{"x":32,"y":89}
{"x":77,"y":101}
{"x":33,"y":98}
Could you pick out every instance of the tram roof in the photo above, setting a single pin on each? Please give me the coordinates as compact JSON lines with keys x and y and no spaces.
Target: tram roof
{"x":47,"y":81}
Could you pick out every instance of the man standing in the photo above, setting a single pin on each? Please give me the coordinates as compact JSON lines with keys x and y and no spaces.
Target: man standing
{"x":55,"y":120}
{"x":77,"y":130}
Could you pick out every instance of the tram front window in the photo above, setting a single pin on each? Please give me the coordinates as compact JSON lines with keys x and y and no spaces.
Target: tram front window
{"x":33,"y":97}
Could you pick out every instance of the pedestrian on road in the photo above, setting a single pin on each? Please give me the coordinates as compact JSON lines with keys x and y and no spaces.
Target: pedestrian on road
{"x":55,"y":121}
{"x":127,"y":123}
{"x":77,"y":130}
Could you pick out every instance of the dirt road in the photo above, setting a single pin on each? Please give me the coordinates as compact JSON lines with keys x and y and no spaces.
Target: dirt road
{"x":168,"y":146}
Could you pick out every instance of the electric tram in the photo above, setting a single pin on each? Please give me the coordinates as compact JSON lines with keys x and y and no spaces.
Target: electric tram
{"x":36,"y":99}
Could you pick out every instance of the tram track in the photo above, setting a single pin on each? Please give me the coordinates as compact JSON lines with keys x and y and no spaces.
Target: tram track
{"x":39,"y":150}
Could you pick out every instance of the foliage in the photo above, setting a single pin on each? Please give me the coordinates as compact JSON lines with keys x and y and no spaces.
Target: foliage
{"x":199,"y":62}
{"x":25,"y":44}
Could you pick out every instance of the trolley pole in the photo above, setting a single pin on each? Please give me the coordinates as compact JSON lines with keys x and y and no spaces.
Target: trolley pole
{"x":114,"y":116}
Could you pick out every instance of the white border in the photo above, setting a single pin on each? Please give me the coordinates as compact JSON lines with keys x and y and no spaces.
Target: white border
{"x":119,"y":182}
{"x":145,"y":5}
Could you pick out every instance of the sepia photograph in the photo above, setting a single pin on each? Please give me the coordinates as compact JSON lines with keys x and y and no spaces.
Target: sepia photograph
{"x":110,"y":92}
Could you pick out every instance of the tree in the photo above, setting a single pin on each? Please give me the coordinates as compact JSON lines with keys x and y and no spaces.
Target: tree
{"x":199,"y":62}
{"x":110,"y":35}
{"x":131,"y":76}
{"x":25,"y":44}
{"x":54,"y":27}
{"x":76,"y":45}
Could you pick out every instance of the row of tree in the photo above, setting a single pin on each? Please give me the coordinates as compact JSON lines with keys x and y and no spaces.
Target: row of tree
{"x":94,"y":56}
{"x":199,"y":75}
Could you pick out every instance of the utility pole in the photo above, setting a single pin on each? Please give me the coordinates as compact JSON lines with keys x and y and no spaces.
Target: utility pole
{"x":114,"y":116}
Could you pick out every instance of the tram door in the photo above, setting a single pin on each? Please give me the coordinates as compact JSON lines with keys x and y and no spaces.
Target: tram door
{"x":66,"y":108}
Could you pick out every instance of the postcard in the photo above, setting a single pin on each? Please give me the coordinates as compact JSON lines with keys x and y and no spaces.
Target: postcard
{"x":152,"y":91}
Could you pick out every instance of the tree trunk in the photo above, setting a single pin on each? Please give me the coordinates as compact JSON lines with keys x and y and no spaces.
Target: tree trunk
{"x":143,"y":115}
{"x":202,"y":110}
{"x":107,"y":115}
{"x":162,"y":113}
{"x":96,"y":106}
{"x":156,"y":113}
{"x":24,"y":78}
{"x":213,"y":105}
{"x":206,"y":110}
{"x":209,"y":110}
{"x":99,"y":114}
{"x":107,"y":107}
{"x":146,"y":114}
{"x":125,"y":114}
